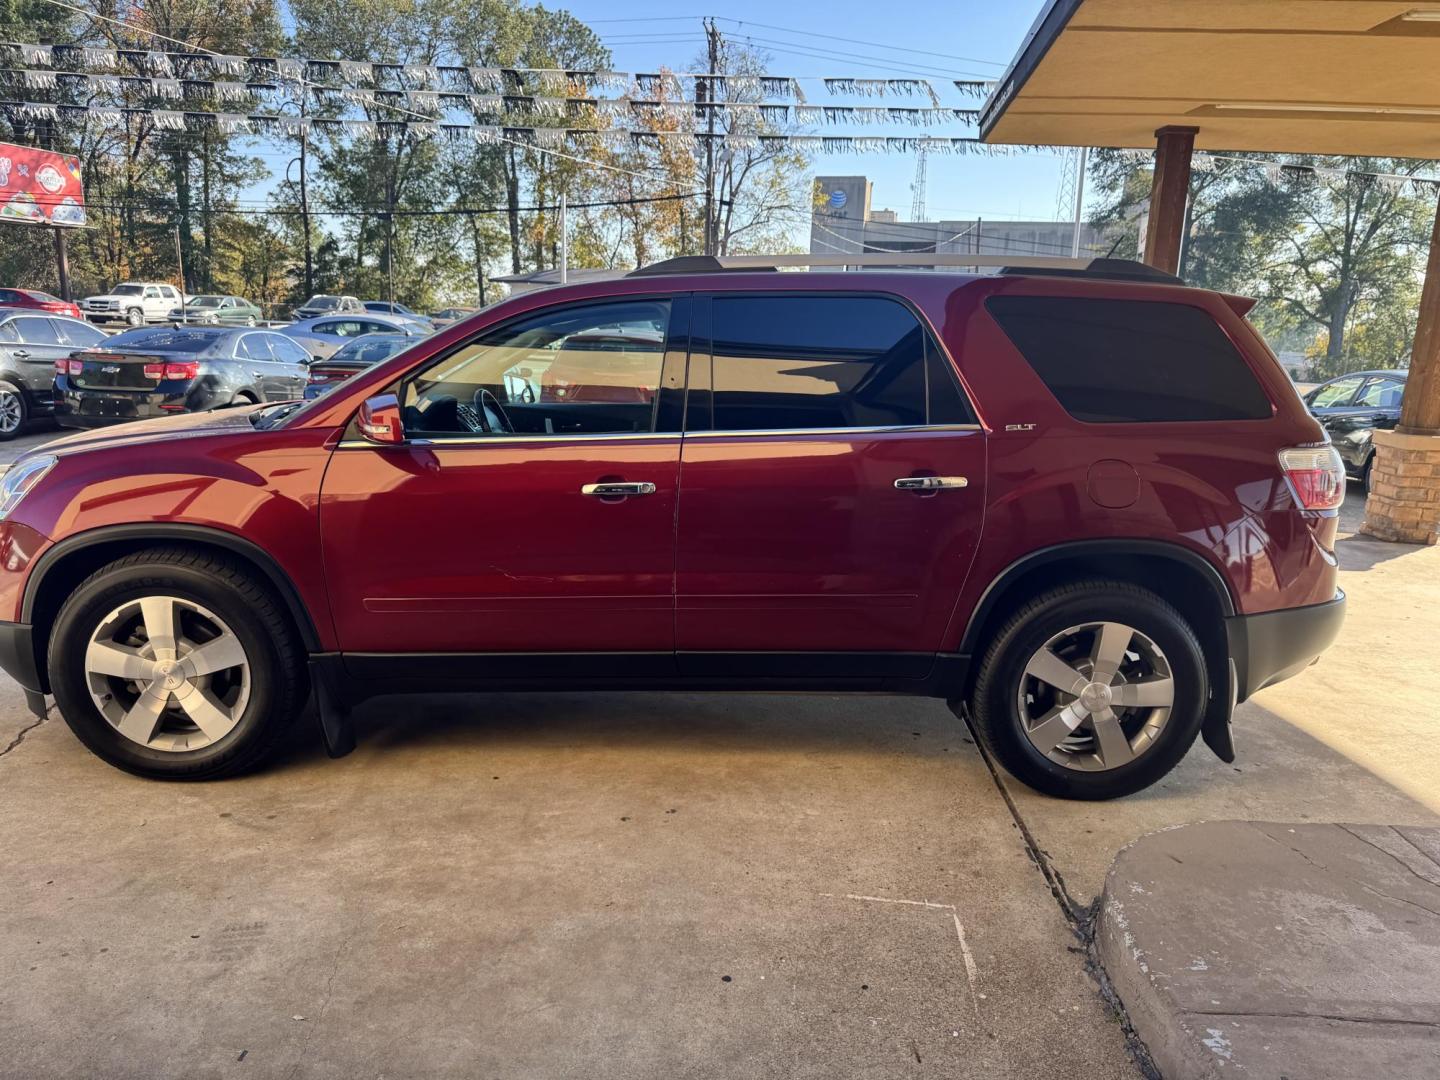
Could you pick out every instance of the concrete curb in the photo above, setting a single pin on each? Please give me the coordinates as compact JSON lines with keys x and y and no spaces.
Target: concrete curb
{"x":1278,"y":950}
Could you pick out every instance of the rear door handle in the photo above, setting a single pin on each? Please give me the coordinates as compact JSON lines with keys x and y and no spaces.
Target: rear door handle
{"x":618,"y":489}
{"x":20,"y":354}
{"x":931,"y":483}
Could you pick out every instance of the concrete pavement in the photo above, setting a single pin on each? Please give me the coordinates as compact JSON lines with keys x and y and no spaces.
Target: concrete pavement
{"x":548,"y":886}
{"x":1274,"y":950}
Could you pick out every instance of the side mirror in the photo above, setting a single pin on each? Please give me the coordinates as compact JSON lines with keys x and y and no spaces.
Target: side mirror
{"x":379,"y":420}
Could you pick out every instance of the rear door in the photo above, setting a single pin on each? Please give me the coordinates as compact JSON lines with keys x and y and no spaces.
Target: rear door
{"x":293,"y":363}
{"x":833,"y":488}
{"x":34,"y":355}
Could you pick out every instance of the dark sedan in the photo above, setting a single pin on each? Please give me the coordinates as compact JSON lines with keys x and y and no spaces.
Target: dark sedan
{"x":354,"y":356}
{"x":155,"y":371}
{"x":1351,"y":430}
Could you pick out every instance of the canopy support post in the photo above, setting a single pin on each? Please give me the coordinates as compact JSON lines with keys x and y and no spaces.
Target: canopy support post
{"x":1404,"y":500}
{"x":1169,"y":191}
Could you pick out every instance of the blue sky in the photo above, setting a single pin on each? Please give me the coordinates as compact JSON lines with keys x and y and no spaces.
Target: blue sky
{"x":648,"y":34}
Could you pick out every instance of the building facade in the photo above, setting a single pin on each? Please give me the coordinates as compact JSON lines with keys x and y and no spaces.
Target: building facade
{"x":843,"y":221}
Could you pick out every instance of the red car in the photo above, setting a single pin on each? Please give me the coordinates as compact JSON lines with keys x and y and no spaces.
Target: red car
{"x":1085,"y":507}
{"x":40,"y":301}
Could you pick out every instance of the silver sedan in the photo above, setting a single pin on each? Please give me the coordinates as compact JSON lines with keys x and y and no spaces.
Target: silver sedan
{"x":323,"y":334}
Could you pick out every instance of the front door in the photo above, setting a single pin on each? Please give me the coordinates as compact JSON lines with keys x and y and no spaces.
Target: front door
{"x":833,"y":489}
{"x":532,"y":508}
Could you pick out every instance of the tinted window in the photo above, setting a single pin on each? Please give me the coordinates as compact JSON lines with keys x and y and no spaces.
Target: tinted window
{"x":36,"y":331}
{"x":1119,"y":361}
{"x":589,"y":369}
{"x":9,"y":296}
{"x":82,"y":335}
{"x":8,"y":331}
{"x":788,"y":362}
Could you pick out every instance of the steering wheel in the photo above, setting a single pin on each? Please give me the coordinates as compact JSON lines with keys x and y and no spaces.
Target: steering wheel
{"x":491,"y":413}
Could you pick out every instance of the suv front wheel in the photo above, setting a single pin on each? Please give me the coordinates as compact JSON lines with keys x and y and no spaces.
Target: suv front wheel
{"x":1091,"y":690}
{"x":175,"y":664}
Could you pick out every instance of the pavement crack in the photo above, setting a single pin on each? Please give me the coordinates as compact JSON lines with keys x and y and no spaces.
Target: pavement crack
{"x":20,"y":736}
{"x":1365,"y":885}
{"x":1076,"y":914}
{"x":1407,"y":867}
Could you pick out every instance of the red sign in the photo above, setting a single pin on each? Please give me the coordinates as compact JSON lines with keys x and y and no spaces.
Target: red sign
{"x":40,"y":187}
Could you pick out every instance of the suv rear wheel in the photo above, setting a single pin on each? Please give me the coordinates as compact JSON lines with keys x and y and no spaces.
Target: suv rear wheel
{"x":174,"y":664}
{"x":1091,"y":691}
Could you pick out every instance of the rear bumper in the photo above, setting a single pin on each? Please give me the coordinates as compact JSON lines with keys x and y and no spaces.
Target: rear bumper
{"x":99,"y":407}
{"x":1270,"y":647}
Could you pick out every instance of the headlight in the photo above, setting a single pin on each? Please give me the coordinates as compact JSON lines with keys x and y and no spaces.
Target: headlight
{"x":20,"y":478}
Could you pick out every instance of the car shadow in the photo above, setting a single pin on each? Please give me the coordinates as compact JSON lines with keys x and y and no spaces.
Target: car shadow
{"x":458,"y":724}
{"x":1360,"y":552}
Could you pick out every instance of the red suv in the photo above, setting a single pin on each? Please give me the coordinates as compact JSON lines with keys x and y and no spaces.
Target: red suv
{"x":1087,"y":508}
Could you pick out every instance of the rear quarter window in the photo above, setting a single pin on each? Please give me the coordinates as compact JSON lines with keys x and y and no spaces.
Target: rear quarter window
{"x":1132,"y":361}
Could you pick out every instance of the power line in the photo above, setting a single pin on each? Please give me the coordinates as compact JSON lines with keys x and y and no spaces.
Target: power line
{"x":648,"y":175}
{"x":890,"y":68}
{"x":858,"y":41}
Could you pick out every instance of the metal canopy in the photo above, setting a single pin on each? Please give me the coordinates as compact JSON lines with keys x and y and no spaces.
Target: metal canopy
{"x":1354,"y":77}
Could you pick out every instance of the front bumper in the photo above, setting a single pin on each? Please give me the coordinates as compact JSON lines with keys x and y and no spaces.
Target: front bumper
{"x":1270,"y":647}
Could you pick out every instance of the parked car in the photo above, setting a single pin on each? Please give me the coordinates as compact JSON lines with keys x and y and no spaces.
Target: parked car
{"x":133,"y":302}
{"x":321,"y":337}
{"x":211,"y":310}
{"x":157,"y":371}
{"x":1375,"y":407}
{"x":30,"y":343}
{"x":445,"y":316}
{"x":607,"y":364}
{"x":355,"y":355}
{"x":392,"y":307}
{"x":1347,"y":391}
{"x":326,"y":304}
{"x":38,"y":301}
{"x":1086,"y":508}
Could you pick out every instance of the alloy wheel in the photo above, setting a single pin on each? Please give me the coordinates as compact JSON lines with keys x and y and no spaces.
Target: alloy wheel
{"x":1096,"y":696}
{"x":12,"y":412}
{"x":167,"y":673}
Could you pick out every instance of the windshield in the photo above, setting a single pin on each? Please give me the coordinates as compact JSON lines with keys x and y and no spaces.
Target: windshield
{"x":163,"y":340}
{"x":323,"y":303}
{"x":204,"y":301}
{"x":126,"y":290}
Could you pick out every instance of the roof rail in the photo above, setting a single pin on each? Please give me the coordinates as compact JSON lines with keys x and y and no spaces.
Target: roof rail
{"x":1120,"y":269}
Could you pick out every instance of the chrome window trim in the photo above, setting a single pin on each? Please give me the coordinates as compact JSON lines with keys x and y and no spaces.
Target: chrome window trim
{"x":883,"y":429}
{"x":619,"y":436}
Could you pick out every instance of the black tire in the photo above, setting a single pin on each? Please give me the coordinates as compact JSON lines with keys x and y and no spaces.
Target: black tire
{"x":278,"y":681}
{"x":134,"y":316}
{"x":996,"y":714}
{"x":1368,"y":477}
{"x":14,"y":410}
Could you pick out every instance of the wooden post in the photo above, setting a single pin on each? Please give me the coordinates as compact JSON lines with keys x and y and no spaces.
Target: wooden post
{"x":62,"y":262}
{"x":1169,"y":191}
{"x":1420,"y":408}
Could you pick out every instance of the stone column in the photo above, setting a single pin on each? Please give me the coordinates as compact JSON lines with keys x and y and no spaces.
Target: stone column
{"x":1404,"y":502}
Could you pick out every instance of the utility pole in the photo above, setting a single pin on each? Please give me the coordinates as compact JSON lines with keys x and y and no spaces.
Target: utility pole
{"x":62,"y":262}
{"x":180,"y":260}
{"x":712,"y":37}
{"x":1079,"y":200}
{"x":917,"y":189}
{"x":564,"y":243}
{"x":305,"y":200}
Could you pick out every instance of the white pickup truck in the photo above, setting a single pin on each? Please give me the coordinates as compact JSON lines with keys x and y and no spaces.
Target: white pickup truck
{"x":134,"y":302}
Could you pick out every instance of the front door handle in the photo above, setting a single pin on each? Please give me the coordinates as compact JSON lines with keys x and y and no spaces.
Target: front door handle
{"x":931,"y":483}
{"x":618,"y":489}
{"x":20,"y":354}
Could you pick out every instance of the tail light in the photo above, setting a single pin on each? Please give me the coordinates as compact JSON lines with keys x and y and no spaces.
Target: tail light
{"x":62,"y":366}
{"x":185,"y":370}
{"x":1316,"y":476}
{"x":69,"y":367}
{"x":320,"y":374}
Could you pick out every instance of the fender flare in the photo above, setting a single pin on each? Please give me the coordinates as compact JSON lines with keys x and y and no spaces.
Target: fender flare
{"x":159,"y":532}
{"x":1161,"y":549}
